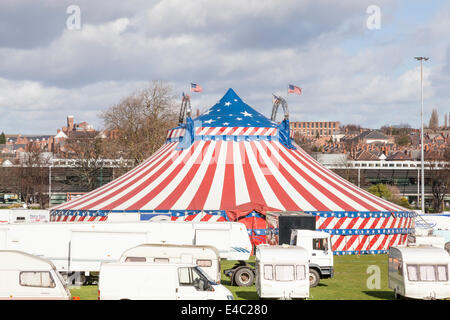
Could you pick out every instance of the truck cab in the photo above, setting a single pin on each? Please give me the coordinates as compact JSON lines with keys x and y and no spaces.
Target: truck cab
{"x":318,"y":246}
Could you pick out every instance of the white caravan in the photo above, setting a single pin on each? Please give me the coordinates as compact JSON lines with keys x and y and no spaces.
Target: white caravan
{"x":281,"y":272}
{"x":205,"y":257}
{"x":82,"y":247}
{"x":154,"y":281}
{"x":420,"y":272}
{"x":318,"y":245}
{"x":27,"y":277}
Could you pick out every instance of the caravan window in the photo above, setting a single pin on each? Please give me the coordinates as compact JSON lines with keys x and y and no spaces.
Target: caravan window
{"x":301,"y":272}
{"x":161,"y":260}
{"x":284,"y":273}
{"x":268,"y":272}
{"x":135,"y":259}
{"x":41,"y":279}
{"x":442,"y":273}
{"x":204,"y":263}
{"x":427,"y":272}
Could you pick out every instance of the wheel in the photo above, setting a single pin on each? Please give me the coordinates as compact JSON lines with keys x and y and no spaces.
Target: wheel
{"x":244,"y":277}
{"x":447,"y":247}
{"x":314,"y":278}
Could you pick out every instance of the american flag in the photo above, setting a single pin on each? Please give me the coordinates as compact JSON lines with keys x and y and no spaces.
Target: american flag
{"x":196,"y":88}
{"x":294,"y":89}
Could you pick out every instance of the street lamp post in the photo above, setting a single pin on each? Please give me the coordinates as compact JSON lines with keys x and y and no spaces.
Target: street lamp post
{"x":421,"y":59}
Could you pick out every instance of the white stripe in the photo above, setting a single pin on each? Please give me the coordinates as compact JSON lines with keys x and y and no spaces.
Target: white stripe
{"x":167,"y":156}
{"x":315,"y":192}
{"x":325,"y":185}
{"x":155,"y":182}
{"x":189,"y":193}
{"x":237,"y":132}
{"x":214,"y":197}
{"x":163,"y":194}
{"x":264,"y":187}
{"x":81,"y":202}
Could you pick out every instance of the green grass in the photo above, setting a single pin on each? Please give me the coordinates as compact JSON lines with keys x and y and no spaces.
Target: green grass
{"x":348,"y":283}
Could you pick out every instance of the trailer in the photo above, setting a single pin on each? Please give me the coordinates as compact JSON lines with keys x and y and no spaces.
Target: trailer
{"x":80,"y":248}
{"x":419,"y":272}
{"x":23,"y":215}
{"x":205,"y":257}
{"x":281,"y":272}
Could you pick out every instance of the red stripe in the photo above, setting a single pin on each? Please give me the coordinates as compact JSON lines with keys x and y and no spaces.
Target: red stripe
{"x":308,"y":196}
{"x":133,"y":181}
{"x":281,"y":195}
{"x":229,"y":192}
{"x":338,"y":243}
{"x":98,"y":192}
{"x":325,"y":224}
{"x":173,"y":197}
{"x":252,"y":185}
{"x":199,"y":199}
{"x":322,"y":174}
{"x":366,"y":195}
{"x":163,"y":184}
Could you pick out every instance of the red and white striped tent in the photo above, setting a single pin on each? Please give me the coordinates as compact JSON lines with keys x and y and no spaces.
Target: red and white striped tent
{"x":233,"y":159}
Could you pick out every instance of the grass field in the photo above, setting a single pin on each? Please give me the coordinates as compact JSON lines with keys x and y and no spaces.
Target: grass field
{"x":349,"y":282}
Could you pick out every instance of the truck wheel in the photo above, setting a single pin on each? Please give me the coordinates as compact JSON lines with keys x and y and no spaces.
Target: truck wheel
{"x":447,"y":247}
{"x":314,"y":278}
{"x":244,"y":277}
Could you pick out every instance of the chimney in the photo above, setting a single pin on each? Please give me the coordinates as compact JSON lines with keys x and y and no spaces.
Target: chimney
{"x":69,"y":123}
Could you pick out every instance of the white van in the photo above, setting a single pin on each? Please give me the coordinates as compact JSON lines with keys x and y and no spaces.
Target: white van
{"x":420,"y":272}
{"x":154,"y":281}
{"x":205,"y":257}
{"x":282,"y":272}
{"x":27,"y":277}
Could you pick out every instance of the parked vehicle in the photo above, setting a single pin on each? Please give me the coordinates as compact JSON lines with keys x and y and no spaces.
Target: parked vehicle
{"x":23,"y":215}
{"x":281,"y":272}
{"x":82,"y":247}
{"x":154,"y":281}
{"x":445,"y":234}
{"x":27,"y":277}
{"x":205,"y":257}
{"x":420,"y":272}
{"x":320,"y":255}
{"x":278,"y":231}
{"x":426,"y":240}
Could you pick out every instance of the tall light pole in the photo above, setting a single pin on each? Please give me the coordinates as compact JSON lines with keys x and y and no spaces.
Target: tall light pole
{"x":421,"y":59}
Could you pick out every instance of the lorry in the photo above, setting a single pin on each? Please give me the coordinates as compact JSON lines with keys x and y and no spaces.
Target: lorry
{"x":205,"y":257}
{"x":280,"y":225}
{"x":78,"y":249}
{"x":419,"y":272}
{"x":27,"y":277}
{"x":281,"y":272}
{"x":157,"y":281}
{"x":320,"y":255}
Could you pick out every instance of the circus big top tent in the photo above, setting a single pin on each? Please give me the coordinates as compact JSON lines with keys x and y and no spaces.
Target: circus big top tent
{"x":233,"y":163}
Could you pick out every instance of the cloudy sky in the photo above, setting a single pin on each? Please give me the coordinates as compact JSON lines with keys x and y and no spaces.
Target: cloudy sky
{"x":348,"y":72}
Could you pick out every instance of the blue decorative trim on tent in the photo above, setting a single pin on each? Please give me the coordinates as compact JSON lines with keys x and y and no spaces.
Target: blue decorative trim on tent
{"x":188,"y":137}
{"x":322,"y":214}
{"x":352,"y":232}
{"x":284,"y":134}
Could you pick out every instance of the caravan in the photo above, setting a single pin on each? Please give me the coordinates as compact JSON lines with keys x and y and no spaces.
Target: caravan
{"x":420,"y":272}
{"x":206,"y":257}
{"x":27,"y":277}
{"x":282,"y":272}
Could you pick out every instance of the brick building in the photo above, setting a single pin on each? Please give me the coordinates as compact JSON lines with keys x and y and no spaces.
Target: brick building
{"x":314,"y":129}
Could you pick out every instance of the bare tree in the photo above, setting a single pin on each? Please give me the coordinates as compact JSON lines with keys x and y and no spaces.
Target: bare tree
{"x":439,"y":175}
{"x":434,"y":120}
{"x":138,"y":124}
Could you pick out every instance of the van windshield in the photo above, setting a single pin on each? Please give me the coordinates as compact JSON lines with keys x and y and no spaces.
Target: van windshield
{"x":205,"y":275}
